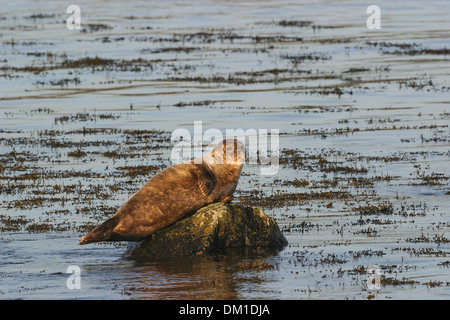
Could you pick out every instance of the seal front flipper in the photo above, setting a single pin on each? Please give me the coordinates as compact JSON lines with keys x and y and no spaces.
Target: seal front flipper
{"x":206,"y":179}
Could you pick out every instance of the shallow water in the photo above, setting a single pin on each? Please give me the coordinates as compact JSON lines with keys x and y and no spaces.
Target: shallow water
{"x":364,"y":138}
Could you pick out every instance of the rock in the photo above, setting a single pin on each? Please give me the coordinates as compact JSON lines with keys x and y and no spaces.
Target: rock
{"x":210,"y":230}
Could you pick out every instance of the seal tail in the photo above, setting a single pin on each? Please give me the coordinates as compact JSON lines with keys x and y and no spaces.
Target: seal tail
{"x":104,"y":232}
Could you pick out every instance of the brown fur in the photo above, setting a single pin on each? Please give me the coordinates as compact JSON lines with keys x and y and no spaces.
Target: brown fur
{"x":174,"y":193}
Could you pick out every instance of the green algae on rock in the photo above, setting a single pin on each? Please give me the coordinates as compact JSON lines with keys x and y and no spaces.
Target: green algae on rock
{"x":210,"y":230}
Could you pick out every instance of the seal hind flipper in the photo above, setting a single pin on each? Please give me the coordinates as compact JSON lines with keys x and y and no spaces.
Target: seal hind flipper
{"x":101,"y":233}
{"x":207,"y":181}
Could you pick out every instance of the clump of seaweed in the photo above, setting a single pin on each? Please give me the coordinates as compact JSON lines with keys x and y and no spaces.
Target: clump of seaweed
{"x":256,"y":265}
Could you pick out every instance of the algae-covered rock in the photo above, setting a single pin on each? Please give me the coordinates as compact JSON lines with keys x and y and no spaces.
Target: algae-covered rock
{"x":209,"y":230}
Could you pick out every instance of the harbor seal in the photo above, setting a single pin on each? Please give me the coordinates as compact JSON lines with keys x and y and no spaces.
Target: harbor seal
{"x":173,"y":193}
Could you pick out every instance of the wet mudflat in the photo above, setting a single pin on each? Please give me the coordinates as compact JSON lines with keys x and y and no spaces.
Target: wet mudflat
{"x":86,"y":119}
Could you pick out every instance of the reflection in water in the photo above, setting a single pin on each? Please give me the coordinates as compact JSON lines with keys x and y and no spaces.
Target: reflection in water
{"x":207,"y":277}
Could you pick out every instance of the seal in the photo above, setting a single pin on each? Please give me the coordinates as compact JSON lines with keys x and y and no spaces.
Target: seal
{"x":174,"y":193}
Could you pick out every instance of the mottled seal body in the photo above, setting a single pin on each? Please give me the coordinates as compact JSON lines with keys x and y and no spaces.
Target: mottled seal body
{"x":173,"y":193}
